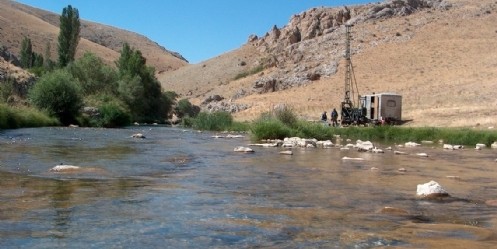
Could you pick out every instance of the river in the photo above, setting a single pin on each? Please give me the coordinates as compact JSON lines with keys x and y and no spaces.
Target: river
{"x":185,"y":189}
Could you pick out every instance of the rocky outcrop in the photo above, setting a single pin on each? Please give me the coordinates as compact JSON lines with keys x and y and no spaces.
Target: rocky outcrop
{"x":311,"y":45}
{"x":18,"y":80}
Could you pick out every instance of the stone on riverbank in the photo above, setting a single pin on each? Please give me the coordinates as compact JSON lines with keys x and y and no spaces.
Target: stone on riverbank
{"x":422,"y":154}
{"x":431,"y":190}
{"x":412,"y":144}
{"x":243,"y":149}
{"x":494,"y":145}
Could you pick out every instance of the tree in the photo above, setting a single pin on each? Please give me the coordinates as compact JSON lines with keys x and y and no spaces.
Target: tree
{"x":48,"y":63}
{"x":68,"y":35}
{"x":185,"y":108}
{"x":26,"y":53}
{"x":94,"y":76}
{"x":152,"y":104}
{"x":59,"y":94}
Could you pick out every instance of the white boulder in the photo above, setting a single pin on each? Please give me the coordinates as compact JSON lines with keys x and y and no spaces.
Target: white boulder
{"x":422,"y":154}
{"x":431,"y":189}
{"x":448,"y":147}
{"x":364,"y":145}
{"x":325,"y":144}
{"x":377,"y":150}
{"x":480,"y":146}
{"x":243,"y":149}
{"x":411,"y":144}
{"x":286,"y":152}
{"x":138,"y":135}
{"x":494,"y":145}
{"x":64,"y":168}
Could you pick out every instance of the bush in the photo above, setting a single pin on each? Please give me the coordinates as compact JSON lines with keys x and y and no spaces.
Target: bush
{"x":185,"y":108}
{"x":19,"y":117}
{"x":270,"y":129}
{"x":286,"y":116}
{"x":252,"y":71}
{"x":59,"y":94}
{"x":93,"y":75}
{"x":216,"y":121}
{"x":318,"y":131}
{"x":113,"y":115}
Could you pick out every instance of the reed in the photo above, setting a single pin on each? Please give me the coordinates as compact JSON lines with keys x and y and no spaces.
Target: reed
{"x":21,"y":117}
{"x":399,"y":134}
{"x":215,"y":121}
{"x":274,"y":126}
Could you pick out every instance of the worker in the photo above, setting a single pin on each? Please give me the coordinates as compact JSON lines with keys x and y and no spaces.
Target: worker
{"x":334,"y":117}
{"x":324,"y":118}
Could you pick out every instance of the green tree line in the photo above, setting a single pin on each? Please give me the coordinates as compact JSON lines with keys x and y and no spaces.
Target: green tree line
{"x":128,"y":92}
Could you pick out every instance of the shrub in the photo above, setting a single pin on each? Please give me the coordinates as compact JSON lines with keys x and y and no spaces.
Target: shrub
{"x":318,"y":131}
{"x":286,"y":115}
{"x":113,"y":115}
{"x":252,"y":71}
{"x":185,"y":108}
{"x":17,"y":117}
{"x":269,"y":129}
{"x":58,"y":93}
{"x":93,"y":75}
{"x":215,"y":121}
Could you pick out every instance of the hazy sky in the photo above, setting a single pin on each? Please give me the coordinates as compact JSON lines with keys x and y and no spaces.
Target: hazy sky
{"x":197,"y":29}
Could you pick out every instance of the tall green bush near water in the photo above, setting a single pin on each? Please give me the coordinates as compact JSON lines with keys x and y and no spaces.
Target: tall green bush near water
{"x":59,"y":94}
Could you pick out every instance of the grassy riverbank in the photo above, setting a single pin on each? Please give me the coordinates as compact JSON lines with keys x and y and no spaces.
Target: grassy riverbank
{"x":19,"y":117}
{"x":284,"y":123}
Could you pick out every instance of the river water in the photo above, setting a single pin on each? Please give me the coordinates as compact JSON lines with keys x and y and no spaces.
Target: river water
{"x":185,"y":189}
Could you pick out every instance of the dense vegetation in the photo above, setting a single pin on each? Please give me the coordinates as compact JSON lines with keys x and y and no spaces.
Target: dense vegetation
{"x":16,"y":117}
{"x":86,"y":91}
{"x":284,"y":123}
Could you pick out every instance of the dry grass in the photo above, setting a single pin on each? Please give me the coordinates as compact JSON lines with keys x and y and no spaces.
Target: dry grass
{"x":444,"y":63}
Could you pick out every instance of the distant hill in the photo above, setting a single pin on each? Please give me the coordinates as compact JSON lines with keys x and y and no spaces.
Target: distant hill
{"x":441,"y":55}
{"x":42,"y":27}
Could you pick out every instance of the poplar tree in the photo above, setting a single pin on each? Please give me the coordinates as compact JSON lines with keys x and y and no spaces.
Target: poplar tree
{"x":68,"y":35}
{"x":26,"y":53}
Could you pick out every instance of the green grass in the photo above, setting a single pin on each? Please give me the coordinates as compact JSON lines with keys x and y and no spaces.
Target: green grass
{"x":215,"y":121}
{"x":277,"y":126}
{"x":20,"y":117}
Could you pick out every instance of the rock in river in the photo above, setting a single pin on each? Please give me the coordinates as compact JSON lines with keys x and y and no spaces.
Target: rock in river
{"x":431,"y":190}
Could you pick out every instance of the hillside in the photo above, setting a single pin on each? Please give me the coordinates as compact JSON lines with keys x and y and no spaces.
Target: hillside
{"x":440,"y":55}
{"x":42,"y":27}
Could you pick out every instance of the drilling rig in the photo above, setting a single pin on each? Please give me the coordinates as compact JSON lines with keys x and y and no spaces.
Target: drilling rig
{"x":351,"y":112}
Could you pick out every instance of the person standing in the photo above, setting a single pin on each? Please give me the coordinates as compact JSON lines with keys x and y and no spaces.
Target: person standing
{"x":334,"y":117}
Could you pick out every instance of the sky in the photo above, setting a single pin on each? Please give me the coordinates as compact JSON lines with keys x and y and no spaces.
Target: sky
{"x":197,"y":29}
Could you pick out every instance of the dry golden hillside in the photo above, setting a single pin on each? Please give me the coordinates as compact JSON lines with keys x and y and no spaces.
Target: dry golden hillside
{"x":42,"y":27}
{"x":442,"y":61}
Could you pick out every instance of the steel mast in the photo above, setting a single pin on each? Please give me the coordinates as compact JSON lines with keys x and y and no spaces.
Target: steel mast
{"x":350,"y":81}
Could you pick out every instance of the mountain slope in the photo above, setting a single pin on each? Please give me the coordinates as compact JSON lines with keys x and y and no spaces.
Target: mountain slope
{"x":42,"y":27}
{"x":440,"y":55}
